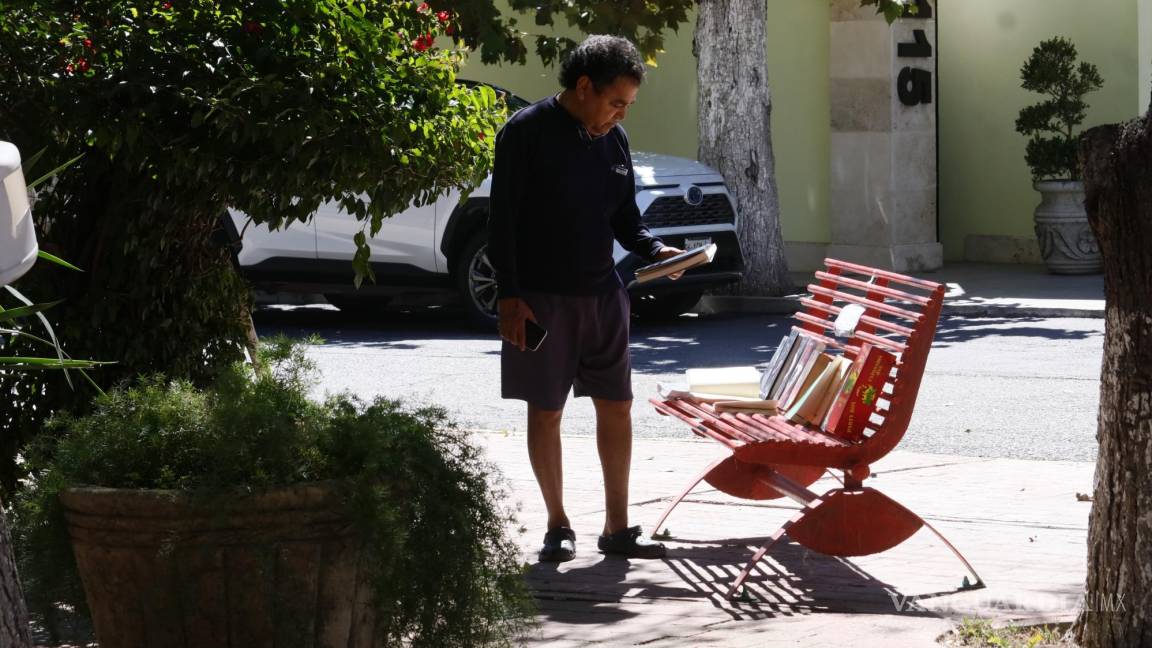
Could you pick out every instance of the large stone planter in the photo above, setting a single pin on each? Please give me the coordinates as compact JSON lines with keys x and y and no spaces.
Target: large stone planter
{"x":274,"y":569}
{"x":1067,"y":243}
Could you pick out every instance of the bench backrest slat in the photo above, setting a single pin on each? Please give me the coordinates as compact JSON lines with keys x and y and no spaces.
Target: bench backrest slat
{"x":900,"y":315}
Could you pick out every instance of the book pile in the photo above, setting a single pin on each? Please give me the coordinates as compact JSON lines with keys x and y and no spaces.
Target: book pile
{"x":831,"y":392}
{"x":729,"y":389}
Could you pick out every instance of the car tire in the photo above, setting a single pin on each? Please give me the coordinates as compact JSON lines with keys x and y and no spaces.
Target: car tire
{"x":358,"y":306}
{"x":476,"y":280}
{"x":665,"y":306}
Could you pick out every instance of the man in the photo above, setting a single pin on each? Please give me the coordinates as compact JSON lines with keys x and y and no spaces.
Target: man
{"x":563,"y":189}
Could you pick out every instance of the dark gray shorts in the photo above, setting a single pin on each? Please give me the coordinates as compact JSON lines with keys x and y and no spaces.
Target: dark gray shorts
{"x":586,"y":349}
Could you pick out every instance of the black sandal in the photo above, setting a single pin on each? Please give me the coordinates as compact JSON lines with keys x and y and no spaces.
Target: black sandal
{"x":631,"y":543}
{"x":559,"y":545}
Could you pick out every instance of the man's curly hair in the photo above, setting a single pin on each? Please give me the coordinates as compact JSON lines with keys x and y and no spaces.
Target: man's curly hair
{"x":602,"y":59}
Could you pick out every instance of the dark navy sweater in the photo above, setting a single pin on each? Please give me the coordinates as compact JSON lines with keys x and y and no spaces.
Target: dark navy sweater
{"x":559,"y":198}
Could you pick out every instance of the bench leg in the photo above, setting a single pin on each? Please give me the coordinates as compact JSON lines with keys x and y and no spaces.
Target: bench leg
{"x":687,"y":489}
{"x":976,"y":581}
{"x":760,"y":553}
{"x":846,"y":523}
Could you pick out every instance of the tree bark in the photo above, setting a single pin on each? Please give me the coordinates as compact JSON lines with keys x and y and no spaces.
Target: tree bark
{"x":14,"y":630}
{"x":1117,"y":162}
{"x":734,"y":118}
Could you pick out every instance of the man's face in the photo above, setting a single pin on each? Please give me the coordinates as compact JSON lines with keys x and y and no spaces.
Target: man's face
{"x":603,"y":109}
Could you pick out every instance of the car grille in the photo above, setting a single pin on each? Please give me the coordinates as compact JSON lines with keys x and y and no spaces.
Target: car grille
{"x":672,"y":211}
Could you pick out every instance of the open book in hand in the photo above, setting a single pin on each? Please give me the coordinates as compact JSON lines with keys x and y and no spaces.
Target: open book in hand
{"x":682,"y":261}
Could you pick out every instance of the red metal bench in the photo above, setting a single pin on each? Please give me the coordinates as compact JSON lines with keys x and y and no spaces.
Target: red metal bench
{"x":771,"y":457}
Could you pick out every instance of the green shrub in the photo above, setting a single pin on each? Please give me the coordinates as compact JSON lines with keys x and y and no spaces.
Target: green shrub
{"x":184,"y":109}
{"x":252,"y":431}
{"x":1052,"y":70}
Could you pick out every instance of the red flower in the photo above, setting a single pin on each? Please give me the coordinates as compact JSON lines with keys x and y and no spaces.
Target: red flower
{"x":423,"y":8}
{"x":448,"y":30}
{"x":88,"y":43}
{"x":166,"y":5}
{"x":423,"y":42}
{"x":82,"y":64}
{"x":69,"y":69}
{"x":481,"y":136}
{"x":443,"y":16}
{"x":253,"y":27}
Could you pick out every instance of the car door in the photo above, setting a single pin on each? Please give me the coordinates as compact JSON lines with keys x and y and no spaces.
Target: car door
{"x":404,"y":242}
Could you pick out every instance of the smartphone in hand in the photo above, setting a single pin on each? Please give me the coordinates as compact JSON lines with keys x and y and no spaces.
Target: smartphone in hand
{"x":534,"y":334}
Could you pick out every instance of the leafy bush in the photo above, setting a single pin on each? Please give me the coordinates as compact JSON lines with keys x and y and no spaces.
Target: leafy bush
{"x":257,"y":430}
{"x":1052,"y":70}
{"x":183,"y":109}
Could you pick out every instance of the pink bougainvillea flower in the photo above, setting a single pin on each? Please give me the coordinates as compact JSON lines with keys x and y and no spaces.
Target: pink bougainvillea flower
{"x":443,"y":16}
{"x":88,"y":43}
{"x":167,"y":5}
{"x":69,"y":69}
{"x":423,"y":8}
{"x":82,"y":64}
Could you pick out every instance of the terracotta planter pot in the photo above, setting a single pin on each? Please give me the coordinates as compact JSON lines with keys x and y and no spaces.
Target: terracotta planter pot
{"x":1067,"y":243}
{"x":277,"y":568}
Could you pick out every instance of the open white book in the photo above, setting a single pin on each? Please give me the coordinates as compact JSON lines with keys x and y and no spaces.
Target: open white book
{"x":682,"y":261}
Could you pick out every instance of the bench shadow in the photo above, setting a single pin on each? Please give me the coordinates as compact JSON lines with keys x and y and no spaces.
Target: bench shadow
{"x":791,"y":581}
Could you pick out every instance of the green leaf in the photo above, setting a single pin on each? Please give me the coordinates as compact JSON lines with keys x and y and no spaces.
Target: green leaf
{"x":25,"y":311}
{"x":47,"y":176}
{"x":47,"y":363}
{"x":51,"y":258}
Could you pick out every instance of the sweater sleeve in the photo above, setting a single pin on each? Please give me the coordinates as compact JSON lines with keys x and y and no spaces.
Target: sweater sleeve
{"x":627,"y":223}
{"x":505,"y":204}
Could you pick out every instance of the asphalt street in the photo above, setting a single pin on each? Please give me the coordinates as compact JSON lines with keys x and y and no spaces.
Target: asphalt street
{"x":1015,"y":388}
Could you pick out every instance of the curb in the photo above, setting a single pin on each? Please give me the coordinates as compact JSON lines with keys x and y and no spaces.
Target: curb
{"x":789,"y":304}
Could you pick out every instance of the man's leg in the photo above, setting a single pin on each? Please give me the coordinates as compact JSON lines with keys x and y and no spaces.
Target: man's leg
{"x":545,"y":455}
{"x":614,"y":442}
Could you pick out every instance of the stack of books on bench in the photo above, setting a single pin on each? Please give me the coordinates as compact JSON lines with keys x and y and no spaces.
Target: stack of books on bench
{"x":729,"y":389}
{"x":830,"y":392}
{"x":802,"y":383}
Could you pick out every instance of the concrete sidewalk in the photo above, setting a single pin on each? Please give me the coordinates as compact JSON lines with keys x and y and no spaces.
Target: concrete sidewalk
{"x":1019,"y":523}
{"x":974,"y":290}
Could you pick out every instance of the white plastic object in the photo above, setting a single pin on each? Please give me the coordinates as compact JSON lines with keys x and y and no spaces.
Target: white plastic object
{"x":847,"y":320}
{"x":18,"y":247}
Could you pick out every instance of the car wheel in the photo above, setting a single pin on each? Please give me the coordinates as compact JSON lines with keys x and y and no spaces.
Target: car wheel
{"x":476,"y":280}
{"x":665,"y":306}
{"x":358,"y":306}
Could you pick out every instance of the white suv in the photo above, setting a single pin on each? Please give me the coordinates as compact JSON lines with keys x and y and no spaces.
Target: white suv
{"x":440,"y":249}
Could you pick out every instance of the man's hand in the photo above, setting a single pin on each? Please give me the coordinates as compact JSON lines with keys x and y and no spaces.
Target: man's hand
{"x":667,"y":252}
{"x":513,"y":312}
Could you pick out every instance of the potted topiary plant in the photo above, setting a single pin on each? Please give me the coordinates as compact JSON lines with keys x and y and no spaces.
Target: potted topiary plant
{"x":1066,"y":241}
{"x":250,"y":514}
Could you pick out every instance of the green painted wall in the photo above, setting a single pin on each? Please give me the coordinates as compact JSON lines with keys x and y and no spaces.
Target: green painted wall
{"x":985,"y":187}
{"x":664,"y":117}
{"x":1145,"y":26}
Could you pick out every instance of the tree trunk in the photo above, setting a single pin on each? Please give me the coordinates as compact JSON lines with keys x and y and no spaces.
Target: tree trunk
{"x":735,"y":109}
{"x":14,"y":631}
{"x":1117,"y":161}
